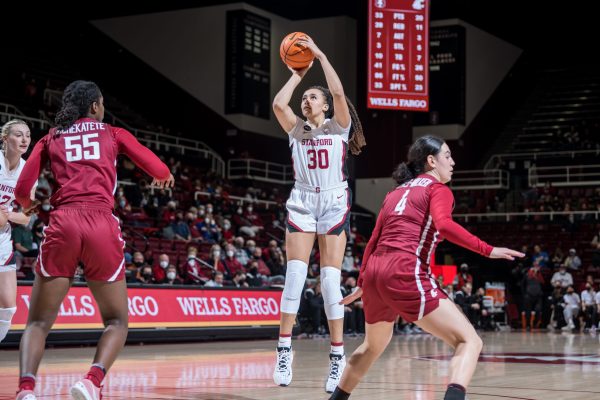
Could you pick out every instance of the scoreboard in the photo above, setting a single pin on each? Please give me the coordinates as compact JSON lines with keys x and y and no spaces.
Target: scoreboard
{"x":398,"y":58}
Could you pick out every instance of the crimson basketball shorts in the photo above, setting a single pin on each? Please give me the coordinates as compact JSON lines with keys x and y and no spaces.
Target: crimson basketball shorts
{"x":88,"y":235}
{"x":324,"y":211}
{"x":396,"y":283}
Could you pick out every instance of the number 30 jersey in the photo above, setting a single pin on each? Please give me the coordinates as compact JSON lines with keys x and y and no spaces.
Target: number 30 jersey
{"x":83,"y":161}
{"x":319,"y":155}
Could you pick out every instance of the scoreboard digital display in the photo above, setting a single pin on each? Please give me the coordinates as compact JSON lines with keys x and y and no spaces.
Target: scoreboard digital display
{"x":398,"y":63}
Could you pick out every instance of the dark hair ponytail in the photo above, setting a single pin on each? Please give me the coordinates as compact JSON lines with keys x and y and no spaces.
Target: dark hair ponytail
{"x":357,"y":139}
{"x":417,"y":158}
{"x":77,"y":99}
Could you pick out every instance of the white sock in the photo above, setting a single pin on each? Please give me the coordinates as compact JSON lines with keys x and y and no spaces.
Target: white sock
{"x":337,"y":348}
{"x":284,"y":341}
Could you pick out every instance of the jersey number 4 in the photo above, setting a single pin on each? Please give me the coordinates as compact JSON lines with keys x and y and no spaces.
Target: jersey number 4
{"x":318,"y":158}
{"x":402,"y":203}
{"x":82,"y":147}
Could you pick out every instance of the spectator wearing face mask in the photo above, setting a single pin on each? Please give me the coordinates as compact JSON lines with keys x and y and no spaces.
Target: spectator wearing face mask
{"x":348,"y":262}
{"x":134,"y":269}
{"x":180,"y":228}
{"x":277,"y":262}
{"x":463,"y":277}
{"x":588,"y":306}
{"x":226,"y":232}
{"x":160,"y":270}
{"x":211,"y":233}
{"x":232,"y":265}
{"x":214,"y":259}
{"x":216,"y":281}
{"x":169,"y":213}
{"x":572,"y":261}
{"x":562,"y":277}
{"x":145,"y":275}
{"x":193,"y":271}
{"x":245,"y":225}
{"x":171,"y":277}
{"x":240,"y":253}
{"x":571,"y":307}
{"x":122,"y":207}
{"x":261,"y":266}
{"x":266,"y":252}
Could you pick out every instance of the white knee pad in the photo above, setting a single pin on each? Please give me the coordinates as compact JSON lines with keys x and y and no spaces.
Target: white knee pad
{"x":6,"y":315}
{"x":295,"y":276}
{"x":331,"y":280}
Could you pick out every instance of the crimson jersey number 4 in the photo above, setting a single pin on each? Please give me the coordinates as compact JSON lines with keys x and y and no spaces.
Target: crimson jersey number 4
{"x":82,"y":147}
{"x":402,"y":203}
{"x":318,"y":159}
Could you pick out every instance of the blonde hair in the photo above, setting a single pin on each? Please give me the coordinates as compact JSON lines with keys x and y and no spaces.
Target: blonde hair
{"x":6,"y":130}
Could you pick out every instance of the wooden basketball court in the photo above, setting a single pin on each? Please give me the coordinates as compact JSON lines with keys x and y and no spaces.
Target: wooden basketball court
{"x":540,"y":366}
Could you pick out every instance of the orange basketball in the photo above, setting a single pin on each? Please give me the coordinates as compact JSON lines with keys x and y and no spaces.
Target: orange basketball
{"x":294,"y":55}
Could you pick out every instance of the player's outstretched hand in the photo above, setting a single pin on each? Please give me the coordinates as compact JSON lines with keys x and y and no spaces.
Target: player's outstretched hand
{"x":507,"y":254}
{"x":164,"y":183}
{"x":352,"y":297}
{"x":33,"y":208}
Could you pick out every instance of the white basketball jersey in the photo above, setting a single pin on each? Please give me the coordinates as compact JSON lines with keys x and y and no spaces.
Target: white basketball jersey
{"x":319,"y":155}
{"x":8,"y":181}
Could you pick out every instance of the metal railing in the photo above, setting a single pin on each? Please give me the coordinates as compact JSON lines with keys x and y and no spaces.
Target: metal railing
{"x":525,"y":215}
{"x":33,"y":122}
{"x":259,"y":170}
{"x":127,"y":183}
{"x":567,"y":175}
{"x":10,"y":109}
{"x":242,"y":200}
{"x":495,"y":160}
{"x":158,"y":140}
{"x":480,"y":179}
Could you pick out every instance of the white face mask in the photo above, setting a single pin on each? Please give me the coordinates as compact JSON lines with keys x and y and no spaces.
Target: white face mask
{"x":164,"y":264}
{"x":209,"y":210}
{"x":217,"y":253}
{"x":229,"y":253}
{"x":171,"y":275}
{"x":226,"y":226}
{"x":249,"y":209}
{"x":251,"y":249}
{"x":46,"y":207}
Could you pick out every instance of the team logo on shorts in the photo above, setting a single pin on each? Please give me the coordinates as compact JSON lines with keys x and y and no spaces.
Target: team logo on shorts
{"x":434,"y":293}
{"x":307,"y":128}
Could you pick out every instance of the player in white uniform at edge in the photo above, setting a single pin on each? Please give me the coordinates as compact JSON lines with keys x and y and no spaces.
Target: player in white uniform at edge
{"x":16,"y":138}
{"x":319,"y":204}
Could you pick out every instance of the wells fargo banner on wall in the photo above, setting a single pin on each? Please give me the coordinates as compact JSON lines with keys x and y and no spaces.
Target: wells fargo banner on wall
{"x":165,"y":308}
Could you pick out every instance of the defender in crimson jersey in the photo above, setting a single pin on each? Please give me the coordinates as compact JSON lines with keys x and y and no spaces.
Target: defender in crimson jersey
{"x":395,"y":278}
{"x":82,"y":151}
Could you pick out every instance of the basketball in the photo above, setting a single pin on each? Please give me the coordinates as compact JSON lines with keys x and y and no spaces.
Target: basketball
{"x":294,"y":55}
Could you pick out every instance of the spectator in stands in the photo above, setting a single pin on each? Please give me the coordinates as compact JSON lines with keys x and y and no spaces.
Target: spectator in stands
{"x":217,"y":280}
{"x":194,"y":273}
{"x":540,"y":256}
{"x":562,"y":277}
{"x":588,"y":306}
{"x":160,"y":270}
{"x":357,"y":239}
{"x":239,"y":279}
{"x":23,"y":243}
{"x":277,"y":262}
{"x":44,"y":212}
{"x":171,"y":276}
{"x":145,"y":275}
{"x":241,"y":255}
{"x":211,"y":232}
{"x":232,"y":265}
{"x":226,"y":232}
{"x":169,"y":213}
{"x":122,"y":207}
{"x":571,"y":306}
{"x":463,"y":277}
{"x":468,"y":303}
{"x":556,"y":305}
{"x":558,"y":258}
{"x":532,"y":286}
{"x":273,"y":245}
{"x":253,"y":277}
{"x":215,"y":259}
{"x":43,"y":188}
{"x":180,"y":228}
{"x":572,"y":261}
{"x":348,"y":265}
{"x":261,"y":266}
{"x":250,"y":247}
{"x":136,"y":267}
{"x":313,"y":304}
{"x":354,"y":316}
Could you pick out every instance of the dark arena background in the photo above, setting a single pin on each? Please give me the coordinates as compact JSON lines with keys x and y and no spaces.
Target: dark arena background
{"x":513,"y":89}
